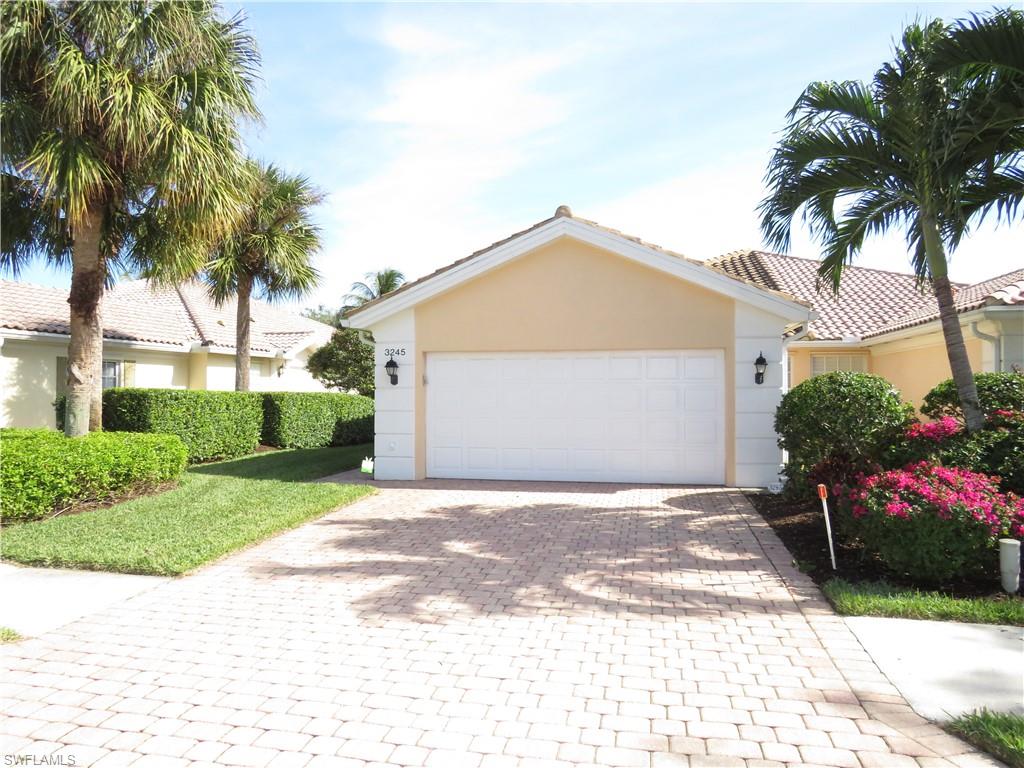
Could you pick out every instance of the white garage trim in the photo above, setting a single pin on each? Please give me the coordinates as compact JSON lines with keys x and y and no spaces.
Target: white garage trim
{"x":639,"y":416}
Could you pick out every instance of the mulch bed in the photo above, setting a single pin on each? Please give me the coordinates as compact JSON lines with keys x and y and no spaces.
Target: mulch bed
{"x":801,"y":527}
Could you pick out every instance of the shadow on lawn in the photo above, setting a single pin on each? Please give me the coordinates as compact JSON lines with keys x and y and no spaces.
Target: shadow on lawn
{"x":693,"y":555}
{"x":298,"y":465}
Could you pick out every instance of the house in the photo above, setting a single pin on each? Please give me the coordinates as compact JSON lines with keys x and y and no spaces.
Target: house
{"x":570,"y":351}
{"x":173,"y":337}
{"x":884,"y":323}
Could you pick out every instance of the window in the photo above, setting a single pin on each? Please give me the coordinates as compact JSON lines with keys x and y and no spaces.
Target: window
{"x":111,"y":373}
{"x":832,"y":363}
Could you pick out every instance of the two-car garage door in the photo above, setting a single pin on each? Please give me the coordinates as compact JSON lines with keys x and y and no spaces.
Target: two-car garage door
{"x":655,"y":416}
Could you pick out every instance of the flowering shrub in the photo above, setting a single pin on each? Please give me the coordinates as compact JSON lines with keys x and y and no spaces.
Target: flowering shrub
{"x":933,"y":523}
{"x":999,"y":390}
{"x":935,"y":431}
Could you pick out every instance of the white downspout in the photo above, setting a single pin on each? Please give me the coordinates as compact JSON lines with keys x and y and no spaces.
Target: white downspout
{"x":997,"y":347}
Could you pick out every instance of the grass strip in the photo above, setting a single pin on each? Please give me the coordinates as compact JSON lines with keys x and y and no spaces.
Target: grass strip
{"x":1001,"y":734}
{"x":217,"y":509}
{"x":881,"y":599}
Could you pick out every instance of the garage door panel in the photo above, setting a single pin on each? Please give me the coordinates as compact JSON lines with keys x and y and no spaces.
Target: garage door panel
{"x":701,"y":400}
{"x":593,"y":416}
{"x":700,"y":367}
{"x":626,"y":368}
{"x":700,"y":431}
{"x":662,"y":367}
{"x":662,"y":399}
{"x":589,"y":461}
{"x":482,"y":458}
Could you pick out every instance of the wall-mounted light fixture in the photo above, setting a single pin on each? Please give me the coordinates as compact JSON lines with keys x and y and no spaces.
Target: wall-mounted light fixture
{"x":280,"y":370}
{"x":760,"y":366}
{"x":391,"y":368}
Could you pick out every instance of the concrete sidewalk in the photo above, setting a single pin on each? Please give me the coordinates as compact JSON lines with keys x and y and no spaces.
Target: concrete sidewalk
{"x":944,"y":668}
{"x":39,"y":600}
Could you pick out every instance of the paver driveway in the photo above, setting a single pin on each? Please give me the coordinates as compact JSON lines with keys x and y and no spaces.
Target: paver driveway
{"x":477,"y":624}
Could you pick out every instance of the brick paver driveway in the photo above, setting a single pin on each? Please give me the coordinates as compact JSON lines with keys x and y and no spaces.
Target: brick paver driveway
{"x":477,"y":624}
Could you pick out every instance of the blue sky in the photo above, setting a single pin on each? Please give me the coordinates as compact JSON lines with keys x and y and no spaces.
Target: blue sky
{"x":438,"y":129}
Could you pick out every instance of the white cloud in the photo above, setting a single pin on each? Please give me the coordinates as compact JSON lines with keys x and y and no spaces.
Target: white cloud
{"x":711,"y":211}
{"x":456,"y":116}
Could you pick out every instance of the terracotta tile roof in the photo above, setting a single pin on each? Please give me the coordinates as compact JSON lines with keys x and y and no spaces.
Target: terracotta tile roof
{"x":1005,"y":289}
{"x":138,"y":311}
{"x":563,"y":211}
{"x":871,"y":301}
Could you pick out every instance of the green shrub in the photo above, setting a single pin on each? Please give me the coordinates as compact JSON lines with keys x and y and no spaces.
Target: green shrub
{"x":315,"y":419}
{"x":930,"y":523}
{"x":43,"y":472}
{"x":837,"y":423}
{"x":996,"y":391}
{"x":213,"y":425}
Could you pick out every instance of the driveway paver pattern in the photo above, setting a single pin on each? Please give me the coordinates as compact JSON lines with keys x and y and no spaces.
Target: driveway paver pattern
{"x":483,"y":625}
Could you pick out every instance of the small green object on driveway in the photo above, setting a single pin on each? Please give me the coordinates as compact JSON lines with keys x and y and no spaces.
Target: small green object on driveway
{"x":367,"y":467}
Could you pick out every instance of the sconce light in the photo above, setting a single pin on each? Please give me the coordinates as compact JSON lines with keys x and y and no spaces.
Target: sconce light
{"x":391,"y":368}
{"x":760,"y":366}
{"x":280,"y":370}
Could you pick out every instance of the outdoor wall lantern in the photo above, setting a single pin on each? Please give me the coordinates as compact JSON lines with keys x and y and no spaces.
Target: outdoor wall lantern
{"x":391,"y":367}
{"x":760,"y":366}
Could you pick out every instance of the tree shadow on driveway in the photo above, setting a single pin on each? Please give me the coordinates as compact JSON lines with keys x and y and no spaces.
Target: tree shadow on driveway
{"x":691,"y":554}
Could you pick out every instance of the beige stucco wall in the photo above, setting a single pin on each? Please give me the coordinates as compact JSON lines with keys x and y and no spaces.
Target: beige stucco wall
{"x":29,"y":373}
{"x":913,"y":365}
{"x":572,"y":296}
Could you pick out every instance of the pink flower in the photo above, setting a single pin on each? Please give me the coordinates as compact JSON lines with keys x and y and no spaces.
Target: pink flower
{"x":935,"y":431}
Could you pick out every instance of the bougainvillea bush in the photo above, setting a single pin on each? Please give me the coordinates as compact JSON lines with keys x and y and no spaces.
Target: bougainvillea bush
{"x":998,"y":449}
{"x":931,"y":523}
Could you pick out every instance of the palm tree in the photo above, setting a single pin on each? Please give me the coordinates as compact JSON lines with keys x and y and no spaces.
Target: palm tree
{"x":120,"y":148}
{"x":932,"y":145}
{"x":376,"y":285}
{"x":269,"y":252}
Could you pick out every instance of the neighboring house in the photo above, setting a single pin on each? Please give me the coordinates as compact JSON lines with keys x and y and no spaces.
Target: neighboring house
{"x":570,"y":351}
{"x":152,"y":337}
{"x":882,"y":322}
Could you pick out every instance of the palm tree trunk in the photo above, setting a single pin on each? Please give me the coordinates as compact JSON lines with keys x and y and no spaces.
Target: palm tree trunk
{"x":242,"y":341}
{"x":85,"y":350}
{"x":956,"y":351}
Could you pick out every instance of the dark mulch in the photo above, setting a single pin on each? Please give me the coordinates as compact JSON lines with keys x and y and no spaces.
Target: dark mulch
{"x":801,"y":527}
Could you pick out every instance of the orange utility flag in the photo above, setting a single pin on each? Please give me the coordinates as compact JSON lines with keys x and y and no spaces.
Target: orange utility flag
{"x":823,"y":495}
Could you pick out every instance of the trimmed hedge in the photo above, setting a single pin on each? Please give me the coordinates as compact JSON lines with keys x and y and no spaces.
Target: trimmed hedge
{"x":315,"y":419}
{"x":43,"y":473}
{"x":212,"y":425}
{"x":837,"y":425}
{"x":996,"y":391}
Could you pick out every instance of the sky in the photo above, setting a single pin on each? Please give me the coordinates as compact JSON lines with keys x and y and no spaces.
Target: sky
{"x":437,"y":129}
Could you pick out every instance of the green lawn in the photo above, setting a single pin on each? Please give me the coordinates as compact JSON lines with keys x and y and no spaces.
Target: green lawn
{"x":1000,"y":734}
{"x":881,"y":599}
{"x":217,"y":508}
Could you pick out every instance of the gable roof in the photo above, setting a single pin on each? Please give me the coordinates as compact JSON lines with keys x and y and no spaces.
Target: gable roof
{"x":871,"y":302}
{"x":565,"y":224}
{"x":138,"y":311}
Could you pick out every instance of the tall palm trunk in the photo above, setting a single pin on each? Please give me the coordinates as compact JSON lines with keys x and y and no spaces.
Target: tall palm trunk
{"x":242,"y":340}
{"x":85,"y":350}
{"x":956,"y":350}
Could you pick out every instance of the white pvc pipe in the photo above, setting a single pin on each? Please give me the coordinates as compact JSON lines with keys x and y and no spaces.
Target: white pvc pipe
{"x":1009,"y":565}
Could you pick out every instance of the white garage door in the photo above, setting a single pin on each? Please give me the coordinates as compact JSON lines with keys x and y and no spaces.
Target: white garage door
{"x":655,"y":417}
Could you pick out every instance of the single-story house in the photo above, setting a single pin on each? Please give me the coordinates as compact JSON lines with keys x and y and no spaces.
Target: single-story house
{"x":570,"y":351}
{"x":885,"y":323}
{"x":174,"y":337}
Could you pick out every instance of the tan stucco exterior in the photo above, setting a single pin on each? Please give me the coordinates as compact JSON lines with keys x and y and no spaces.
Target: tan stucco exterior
{"x":571,"y":296}
{"x":914,"y":365}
